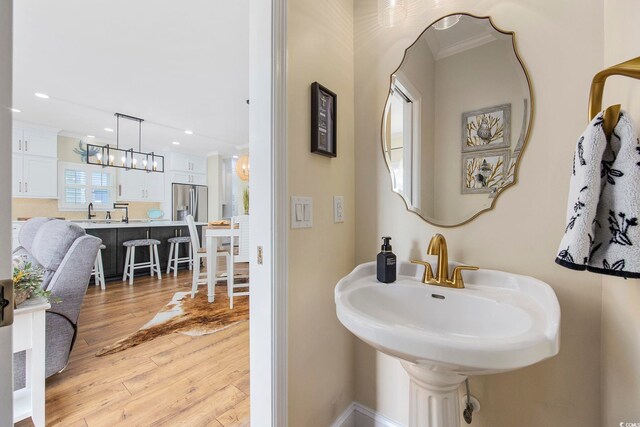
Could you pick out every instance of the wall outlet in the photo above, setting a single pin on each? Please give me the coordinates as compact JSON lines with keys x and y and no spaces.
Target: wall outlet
{"x":301,"y":212}
{"x":338,"y":209}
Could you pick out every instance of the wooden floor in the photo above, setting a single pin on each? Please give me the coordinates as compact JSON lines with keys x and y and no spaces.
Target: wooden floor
{"x":174,"y":380}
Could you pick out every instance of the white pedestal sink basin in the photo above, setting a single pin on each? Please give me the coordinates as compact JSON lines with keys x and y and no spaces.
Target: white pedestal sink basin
{"x":499,"y":322}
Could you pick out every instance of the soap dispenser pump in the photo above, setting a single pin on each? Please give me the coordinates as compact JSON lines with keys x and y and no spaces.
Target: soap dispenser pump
{"x":386,"y":263}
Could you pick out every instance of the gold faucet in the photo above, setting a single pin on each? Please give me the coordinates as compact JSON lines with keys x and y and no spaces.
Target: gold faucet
{"x":438,"y":246}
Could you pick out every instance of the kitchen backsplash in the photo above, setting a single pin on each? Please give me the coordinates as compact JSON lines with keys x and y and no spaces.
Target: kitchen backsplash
{"x":29,"y":208}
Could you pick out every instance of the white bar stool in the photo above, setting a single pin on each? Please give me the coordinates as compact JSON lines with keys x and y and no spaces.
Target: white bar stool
{"x":174,"y":251}
{"x":98,"y":269}
{"x":130,"y":264}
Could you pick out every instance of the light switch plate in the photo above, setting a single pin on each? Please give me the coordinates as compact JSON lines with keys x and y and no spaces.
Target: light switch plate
{"x":301,"y":212}
{"x":338,"y":209}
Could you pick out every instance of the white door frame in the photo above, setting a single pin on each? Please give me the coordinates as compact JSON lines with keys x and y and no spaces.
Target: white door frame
{"x":268,"y":219}
{"x":6,"y":346}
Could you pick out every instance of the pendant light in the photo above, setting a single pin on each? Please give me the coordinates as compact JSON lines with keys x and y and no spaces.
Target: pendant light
{"x":242,"y":168}
{"x":107,"y":156}
{"x":391,"y":12}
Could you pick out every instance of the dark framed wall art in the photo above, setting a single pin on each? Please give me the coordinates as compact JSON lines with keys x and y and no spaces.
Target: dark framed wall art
{"x":323,"y":121}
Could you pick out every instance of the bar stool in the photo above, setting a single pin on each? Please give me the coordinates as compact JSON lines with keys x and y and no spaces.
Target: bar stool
{"x":174,"y":250}
{"x":130,"y":264}
{"x":98,"y":269}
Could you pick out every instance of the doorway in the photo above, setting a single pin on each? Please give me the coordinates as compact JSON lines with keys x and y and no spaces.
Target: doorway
{"x":268,"y":246}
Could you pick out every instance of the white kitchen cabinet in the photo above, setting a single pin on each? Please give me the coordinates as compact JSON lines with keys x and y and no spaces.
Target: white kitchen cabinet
{"x":140,"y":186}
{"x":188,"y":178}
{"x":199,"y":179}
{"x":199,"y":165}
{"x":180,"y":178}
{"x":131,"y":185}
{"x":34,"y":176}
{"x":34,"y":162}
{"x":17,"y":178}
{"x":40,"y":176}
{"x":186,"y":163}
{"x":16,"y":140}
{"x":155,"y":187}
{"x":35,"y":141}
{"x":177,"y":162}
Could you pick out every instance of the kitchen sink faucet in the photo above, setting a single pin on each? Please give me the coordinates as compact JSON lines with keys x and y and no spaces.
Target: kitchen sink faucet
{"x":89,"y":214}
{"x":124,"y":206}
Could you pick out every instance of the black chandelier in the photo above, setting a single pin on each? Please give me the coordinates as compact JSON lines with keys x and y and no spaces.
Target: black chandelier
{"x":116,"y":157}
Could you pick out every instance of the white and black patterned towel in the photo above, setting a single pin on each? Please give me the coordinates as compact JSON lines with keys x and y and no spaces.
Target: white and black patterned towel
{"x":602,"y":233}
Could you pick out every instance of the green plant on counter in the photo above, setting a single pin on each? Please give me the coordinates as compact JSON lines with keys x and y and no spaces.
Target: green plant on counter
{"x":245,"y":200}
{"x":27,"y":281}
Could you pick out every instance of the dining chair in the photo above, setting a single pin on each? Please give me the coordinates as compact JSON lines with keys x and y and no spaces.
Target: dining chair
{"x":200,"y":277}
{"x":242,"y":221}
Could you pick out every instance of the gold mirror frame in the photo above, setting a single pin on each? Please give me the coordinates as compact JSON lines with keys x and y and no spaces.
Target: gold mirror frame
{"x":526,"y":137}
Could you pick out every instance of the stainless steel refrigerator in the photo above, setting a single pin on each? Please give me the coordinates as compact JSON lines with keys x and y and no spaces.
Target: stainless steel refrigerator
{"x":189,"y":199}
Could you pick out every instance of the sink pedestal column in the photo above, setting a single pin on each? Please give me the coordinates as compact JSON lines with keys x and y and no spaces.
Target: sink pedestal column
{"x":433,"y":397}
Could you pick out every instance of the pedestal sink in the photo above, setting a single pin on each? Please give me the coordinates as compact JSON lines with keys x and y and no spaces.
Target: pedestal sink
{"x":499,"y":322}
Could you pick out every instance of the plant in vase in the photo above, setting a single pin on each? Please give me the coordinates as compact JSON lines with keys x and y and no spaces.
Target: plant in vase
{"x":27,"y":281}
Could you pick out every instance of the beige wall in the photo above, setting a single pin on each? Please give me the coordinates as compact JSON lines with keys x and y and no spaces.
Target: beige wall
{"x":562,"y":45}
{"x":621,"y":298}
{"x":66,"y":145}
{"x":28,"y":208}
{"x":320,"y":48}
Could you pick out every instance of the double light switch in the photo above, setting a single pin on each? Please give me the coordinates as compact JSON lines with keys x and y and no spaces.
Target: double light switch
{"x":301,"y":212}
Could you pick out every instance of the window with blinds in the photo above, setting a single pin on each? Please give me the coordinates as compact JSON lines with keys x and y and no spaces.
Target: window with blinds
{"x":84,"y":184}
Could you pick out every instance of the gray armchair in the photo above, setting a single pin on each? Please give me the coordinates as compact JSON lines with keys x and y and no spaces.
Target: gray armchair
{"x":67,"y":255}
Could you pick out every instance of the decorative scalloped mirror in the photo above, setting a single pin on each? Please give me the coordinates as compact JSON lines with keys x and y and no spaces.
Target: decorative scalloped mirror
{"x":457,"y":119}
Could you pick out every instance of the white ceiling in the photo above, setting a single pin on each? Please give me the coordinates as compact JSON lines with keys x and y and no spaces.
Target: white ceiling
{"x":179,"y":64}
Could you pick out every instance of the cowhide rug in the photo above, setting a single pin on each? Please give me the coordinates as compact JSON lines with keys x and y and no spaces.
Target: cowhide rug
{"x":188,"y":316}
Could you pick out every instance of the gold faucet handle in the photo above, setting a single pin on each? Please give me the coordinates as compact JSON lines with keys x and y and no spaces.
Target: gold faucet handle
{"x":428,"y":271}
{"x":458,"y":281}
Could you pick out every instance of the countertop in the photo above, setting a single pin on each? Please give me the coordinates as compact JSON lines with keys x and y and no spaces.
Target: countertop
{"x":134,"y":224}
{"x":137,"y":223}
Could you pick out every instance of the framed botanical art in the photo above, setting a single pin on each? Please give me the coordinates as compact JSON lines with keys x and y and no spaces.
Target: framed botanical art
{"x":485,"y":171}
{"x":509,"y":174}
{"x":487,"y":128}
{"x":323,"y":121}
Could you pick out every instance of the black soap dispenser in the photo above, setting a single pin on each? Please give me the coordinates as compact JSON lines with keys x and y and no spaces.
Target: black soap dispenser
{"x":386,"y":263}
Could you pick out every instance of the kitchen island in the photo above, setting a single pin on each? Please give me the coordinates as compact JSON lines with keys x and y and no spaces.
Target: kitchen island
{"x":115,"y":233}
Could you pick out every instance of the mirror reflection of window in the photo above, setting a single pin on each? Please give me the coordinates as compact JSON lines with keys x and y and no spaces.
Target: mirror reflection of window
{"x":399,"y":109}
{"x":403,"y":122}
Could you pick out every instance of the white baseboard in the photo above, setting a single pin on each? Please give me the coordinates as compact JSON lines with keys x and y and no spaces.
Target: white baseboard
{"x":357,"y":415}
{"x":347,"y":418}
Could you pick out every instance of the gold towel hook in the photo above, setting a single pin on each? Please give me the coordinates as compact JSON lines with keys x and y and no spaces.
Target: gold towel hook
{"x":629,"y":68}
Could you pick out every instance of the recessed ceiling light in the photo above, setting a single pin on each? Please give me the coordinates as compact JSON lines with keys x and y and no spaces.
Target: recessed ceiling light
{"x":90,"y":136}
{"x":175,"y":143}
{"x":235,"y":157}
{"x":108,"y":129}
{"x":188,"y":132}
{"x":15,"y":110}
{"x":41,"y":95}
